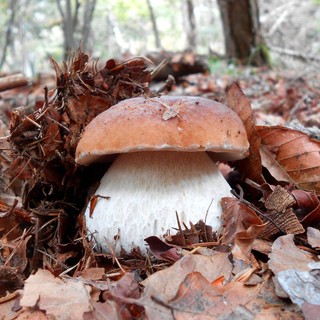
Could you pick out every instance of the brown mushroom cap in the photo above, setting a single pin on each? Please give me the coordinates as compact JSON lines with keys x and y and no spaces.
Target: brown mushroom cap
{"x":164,"y":123}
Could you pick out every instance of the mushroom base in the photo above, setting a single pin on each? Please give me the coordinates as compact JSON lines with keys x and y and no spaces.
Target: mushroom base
{"x":146,"y":189}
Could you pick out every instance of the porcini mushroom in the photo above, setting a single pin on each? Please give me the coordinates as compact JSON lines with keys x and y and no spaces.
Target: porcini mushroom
{"x":163,"y":166}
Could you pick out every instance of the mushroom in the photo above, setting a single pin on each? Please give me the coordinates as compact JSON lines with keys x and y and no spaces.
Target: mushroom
{"x":163,"y":166}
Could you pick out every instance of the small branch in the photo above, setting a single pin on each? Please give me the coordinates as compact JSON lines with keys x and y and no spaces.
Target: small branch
{"x":12,"y":82}
{"x":61,"y":10}
{"x":295,"y":54}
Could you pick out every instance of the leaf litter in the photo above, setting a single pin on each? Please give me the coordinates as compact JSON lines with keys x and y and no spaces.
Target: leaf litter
{"x":262,"y":264}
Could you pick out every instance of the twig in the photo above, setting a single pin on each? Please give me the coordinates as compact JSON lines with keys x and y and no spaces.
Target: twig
{"x":115,"y":259}
{"x":9,"y":296}
{"x":12,"y":82}
{"x":17,"y":176}
{"x":295,"y":54}
{"x":52,"y":258}
{"x":33,"y":122}
{"x":205,"y":244}
{"x":278,"y":23}
{"x":205,"y":220}
{"x":68,"y":270}
{"x":181,"y":231}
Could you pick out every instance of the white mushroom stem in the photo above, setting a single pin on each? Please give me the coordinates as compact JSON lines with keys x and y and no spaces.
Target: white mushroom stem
{"x":146,"y":189}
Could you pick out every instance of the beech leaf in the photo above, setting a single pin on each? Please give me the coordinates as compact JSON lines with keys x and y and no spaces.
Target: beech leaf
{"x":285,"y":255}
{"x":67,"y":299}
{"x":292,"y":154}
{"x":164,"y":284}
{"x":251,"y":166}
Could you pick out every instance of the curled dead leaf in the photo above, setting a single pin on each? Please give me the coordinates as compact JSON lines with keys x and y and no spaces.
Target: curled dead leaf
{"x":251,"y":166}
{"x":161,"y":250}
{"x":305,"y":200}
{"x":281,"y":217}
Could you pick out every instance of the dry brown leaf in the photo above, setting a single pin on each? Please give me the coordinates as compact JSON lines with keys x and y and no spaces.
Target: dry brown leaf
{"x":282,"y":223}
{"x":313,"y":237}
{"x":198,"y":299}
{"x":279,"y":200}
{"x":164,"y":284}
{"x":291,"y":155}
{"x":114,"y":302}
{"x":7,"y":309}
{"x":161,"y":250}
{"x":241,"y":226}
{"x":312,"y":219}
{"x":32,"y":315}
{"x":92,"y":273}
{"x":251,"y":166}
{"x":305,"y":200}
{"x":18,"y":254}
{"x":299,"y":284}
{"x":63,"y":299}
{"x":310,"y":311}
{"x":285,"y":255}
{"x":279,"y":205}
{"x":10,"y":280}
{"x":102,"y":311}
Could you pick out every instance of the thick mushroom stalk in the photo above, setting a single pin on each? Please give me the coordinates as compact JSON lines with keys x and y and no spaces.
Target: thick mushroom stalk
{"x":146,"y":189}
{"x":163,"y":165}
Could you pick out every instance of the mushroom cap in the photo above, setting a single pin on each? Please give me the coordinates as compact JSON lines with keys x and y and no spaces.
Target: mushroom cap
{"x":175,"y":123}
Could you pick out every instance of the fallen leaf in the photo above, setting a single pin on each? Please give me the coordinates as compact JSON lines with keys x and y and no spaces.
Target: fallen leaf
{"x":305,"y":200}
{"x":313,"y":218}
{"x":10,"y":280}
{"x":251,"y":166}
{"x":18,"y":258}
{"x":293,"y":153}
{"x":32,"y":315}
{"x":8,"y":305}
{"x":241,"y":227}
{"x":313,"y":237}
{"x":280,"y":223}
{"x":197,"y":298}
{"x":310,"y":311}
{"x":114,"y":304}
{"x":262,"y":246}
{"x":285,"y":255}
{"x":164,"y":284}
{"x":161,"y":250}
{"x":281,"y":217}
{"x":102,"y":311}
{"x":279,"y":200}
{"x":92,"y":273}
{"x":302,"y":286}
{"x":63,"y":299}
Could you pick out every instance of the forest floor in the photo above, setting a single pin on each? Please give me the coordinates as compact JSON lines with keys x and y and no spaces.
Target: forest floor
{"x":262,"y":265}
